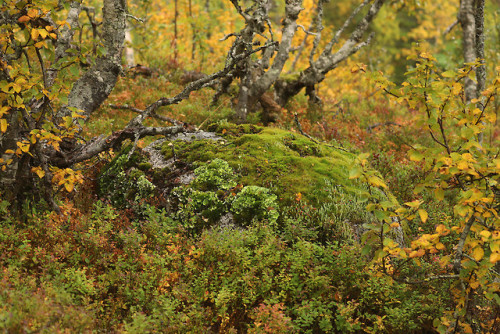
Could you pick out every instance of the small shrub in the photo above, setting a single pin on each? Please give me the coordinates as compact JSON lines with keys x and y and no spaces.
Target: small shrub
{"x":255,"y":203}
{"x":214,"y":176}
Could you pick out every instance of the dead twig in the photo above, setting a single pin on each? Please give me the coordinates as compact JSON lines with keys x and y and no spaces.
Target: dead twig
{"x":376,"y":125}
{"x":299,"y":127}
{"x":154,"y":115}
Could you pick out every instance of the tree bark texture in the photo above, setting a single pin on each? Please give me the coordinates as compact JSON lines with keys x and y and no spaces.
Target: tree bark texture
{"x":466,"y":17}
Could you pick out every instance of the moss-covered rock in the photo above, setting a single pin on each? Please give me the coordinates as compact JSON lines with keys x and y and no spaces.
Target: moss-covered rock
{"x":287,"y":163}
{"x":290,"y":165}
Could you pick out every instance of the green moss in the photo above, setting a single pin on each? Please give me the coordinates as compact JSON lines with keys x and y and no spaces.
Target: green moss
{"x":231,"y":129}
{"x":287,"y":163}
{"x":290,"y":77}
{"x":144,"y":166}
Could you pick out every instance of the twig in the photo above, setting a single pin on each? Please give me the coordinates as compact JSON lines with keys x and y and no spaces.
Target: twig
{"x":228,"y":35}
{"x":140,"y":111}
{"x":135,"y":18}
{"x":299,"y":127}
{"x":450,"y":28}
{"x":371,"y":127}
{"x":306,"y":31}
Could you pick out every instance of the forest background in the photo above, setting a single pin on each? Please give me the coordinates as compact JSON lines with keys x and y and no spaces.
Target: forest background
{"x":361,"y":189}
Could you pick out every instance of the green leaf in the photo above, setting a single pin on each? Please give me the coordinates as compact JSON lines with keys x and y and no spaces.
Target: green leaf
{"x":418,"y":189}
{"x":448,"y":74}
{"x":355,"y":172}
{"x":416,"y":155}
{"x":439,"y":193}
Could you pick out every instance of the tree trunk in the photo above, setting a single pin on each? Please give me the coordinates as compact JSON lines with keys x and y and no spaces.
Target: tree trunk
{"x":467,"y":20}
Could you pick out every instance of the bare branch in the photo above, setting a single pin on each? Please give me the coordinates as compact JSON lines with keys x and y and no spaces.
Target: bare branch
{"x":101,"y":143}
{"x":461,"y":244}
{"x":292,"y":11}
{"x":450,"y":28}
{"x":90,"y":90}
{"x":63,"y":42}
{"x":334,"y":40}
{"x":154,"y":115}
{"x":319,"y":28}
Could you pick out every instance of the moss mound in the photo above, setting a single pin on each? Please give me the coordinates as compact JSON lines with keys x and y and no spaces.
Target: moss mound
{"x":287,"y":163}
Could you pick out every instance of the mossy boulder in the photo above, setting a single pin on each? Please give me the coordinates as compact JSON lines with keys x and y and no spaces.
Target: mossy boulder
{"x":289,"y":164}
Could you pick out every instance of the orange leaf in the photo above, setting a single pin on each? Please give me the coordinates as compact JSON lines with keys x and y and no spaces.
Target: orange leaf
{"x":23,"y":19}
{"x":33,"y":13}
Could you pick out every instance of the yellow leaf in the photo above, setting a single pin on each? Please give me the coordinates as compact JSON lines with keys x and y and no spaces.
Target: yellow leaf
{"x":69,"y":186}
{"x":474,"y":285}
{"x":440,"y":246}
{"x":485,"y":234}
{"x":423,"y":215}
{"x":3,"y":125}
{"x":494,"y":257}
{"x":376,"y":181}
{"x":4,"y":110}
{"x":23,"y":147}
{"x":9,"y":151}
{"x":463,"y":165}
{"x":478,"y":253}
{"x":44,"y":33}
{"x":39,"y":171}
{"x":417,"y":253}
{"x":414,"y":204}
{"x":34,"y":34}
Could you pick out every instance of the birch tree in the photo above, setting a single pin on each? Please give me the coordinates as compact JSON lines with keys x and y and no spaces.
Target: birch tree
{"x":257,"y":76}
